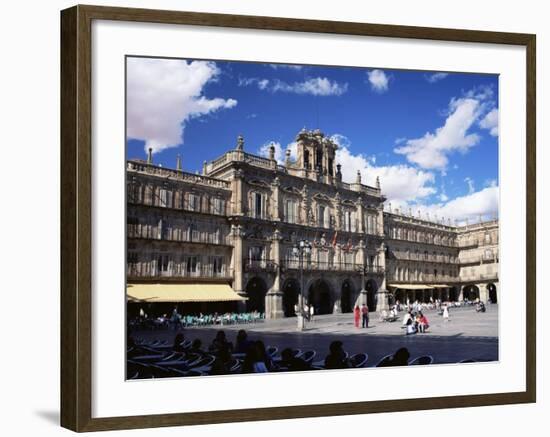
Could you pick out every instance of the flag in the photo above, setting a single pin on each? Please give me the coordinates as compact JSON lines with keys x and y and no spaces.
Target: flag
{"x":334,"y":239}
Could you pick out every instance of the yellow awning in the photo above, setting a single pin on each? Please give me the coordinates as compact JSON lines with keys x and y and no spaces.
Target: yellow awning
{"x":195,"y":292}
{"x":440,"y":286}
{"x":412,"y":286}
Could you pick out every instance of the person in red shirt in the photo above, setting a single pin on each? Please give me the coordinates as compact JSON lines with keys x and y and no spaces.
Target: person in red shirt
{"x":423,"y":323}
{"x":365,"y":314}
{"x":356,"y":315}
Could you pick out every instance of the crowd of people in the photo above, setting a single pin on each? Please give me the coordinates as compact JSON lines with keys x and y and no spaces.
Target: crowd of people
{"x":177,"y":320}
{"x":415,"y":322}
{"x":242,"y":356}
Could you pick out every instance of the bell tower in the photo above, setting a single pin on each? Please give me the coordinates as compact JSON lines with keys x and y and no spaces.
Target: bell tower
{"x":316,"y":156}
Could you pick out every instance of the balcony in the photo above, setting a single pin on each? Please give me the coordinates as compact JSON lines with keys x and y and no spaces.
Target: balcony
{"x":259,"y":265}
{"x":480,"y":277}
{"x":331,"y":266}
{"x":483,"y":259}
{"x":426,"y":279}
{"x":134,"y":272}
{"x":438,"y":259}
{"x":176,"y":175}
{"x":183,"y":237}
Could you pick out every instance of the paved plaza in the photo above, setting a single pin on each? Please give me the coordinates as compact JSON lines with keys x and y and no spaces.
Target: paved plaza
{"x":467,"y":335}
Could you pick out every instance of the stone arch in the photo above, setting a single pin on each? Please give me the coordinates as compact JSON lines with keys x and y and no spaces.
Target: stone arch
{"x":371,"y":287}
{"x":256,"y":290}
{"x":347,"y":296}
{"x":291,"y":291}
{"x":492,"y":291}
{"x":470,"y":292}
{"x":320,"y":295}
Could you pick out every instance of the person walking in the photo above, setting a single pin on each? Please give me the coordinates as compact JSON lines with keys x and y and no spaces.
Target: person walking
{"x":356,"y":315}
{"x":446,"y":313}
{"x":311,"y":312}
{"x":365,"y":315}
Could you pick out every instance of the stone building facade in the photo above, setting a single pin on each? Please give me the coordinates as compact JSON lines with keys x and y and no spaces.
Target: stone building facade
{"x":238,"y":221}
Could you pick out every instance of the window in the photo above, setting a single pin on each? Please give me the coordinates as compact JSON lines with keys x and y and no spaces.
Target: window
{"x":132,"y":261}
{"x":256,"y":253}
{"x":165,"y":230}
{"x":162,"y":264}
{"x":257,"y":207}
{"x":218,"y":206}
{"x":353,"y":222}
{"x":347,"y":221}
{"x":306,"y":159}
{"x":216,"y":263}
{"x":165,"y":198}
{"x":291,"y":211}
{"x":321,"y":216}
{"x":194,"y":203}
{"x":191,"y":265}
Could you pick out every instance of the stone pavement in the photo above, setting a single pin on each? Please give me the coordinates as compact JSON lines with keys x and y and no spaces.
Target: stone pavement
{"x":466,"y":335}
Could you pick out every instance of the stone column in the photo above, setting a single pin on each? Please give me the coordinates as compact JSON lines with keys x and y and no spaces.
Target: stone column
{"x":276,"y":209}
{"x":483,"y":292}
{"x":380,"y":221}
{"x":237,"y":189}
{"x":238,"y":234}
{"x":360,"y":216}
{"x":274,"y":297}
{"x":383,"y":294}
{"x":461,"y":293}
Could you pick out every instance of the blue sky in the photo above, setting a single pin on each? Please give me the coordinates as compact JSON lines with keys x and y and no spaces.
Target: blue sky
{"x":431,"y":137}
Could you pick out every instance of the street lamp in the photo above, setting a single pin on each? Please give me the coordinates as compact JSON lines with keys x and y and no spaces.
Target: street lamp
{"x":301,"y":248}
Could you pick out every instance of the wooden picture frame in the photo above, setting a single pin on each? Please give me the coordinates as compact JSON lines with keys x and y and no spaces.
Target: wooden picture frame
{"x":76,"y":217}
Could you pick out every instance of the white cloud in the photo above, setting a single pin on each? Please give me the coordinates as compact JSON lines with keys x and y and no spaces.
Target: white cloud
{"x":431,"y":151}
{"x":378,"y":80}
{"x":470,"y":182}
{"x":318,"y":86}
{"x":470,"y":207}
{"x":432,"y":78}
{"x":398,"y":182}
{"x":490,"y":122}
{"x":163,"y":95}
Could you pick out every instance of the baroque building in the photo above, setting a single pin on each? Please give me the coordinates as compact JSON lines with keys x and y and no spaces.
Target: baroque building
{"x":223,"y":240}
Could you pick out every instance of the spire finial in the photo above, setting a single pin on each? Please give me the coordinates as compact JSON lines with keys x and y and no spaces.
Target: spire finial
{"x":150,"y":156}
{"x":178,"y":162}
{"x":378,"y":182}
{"x":358,"y":178}
{"x":287,"y":157}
